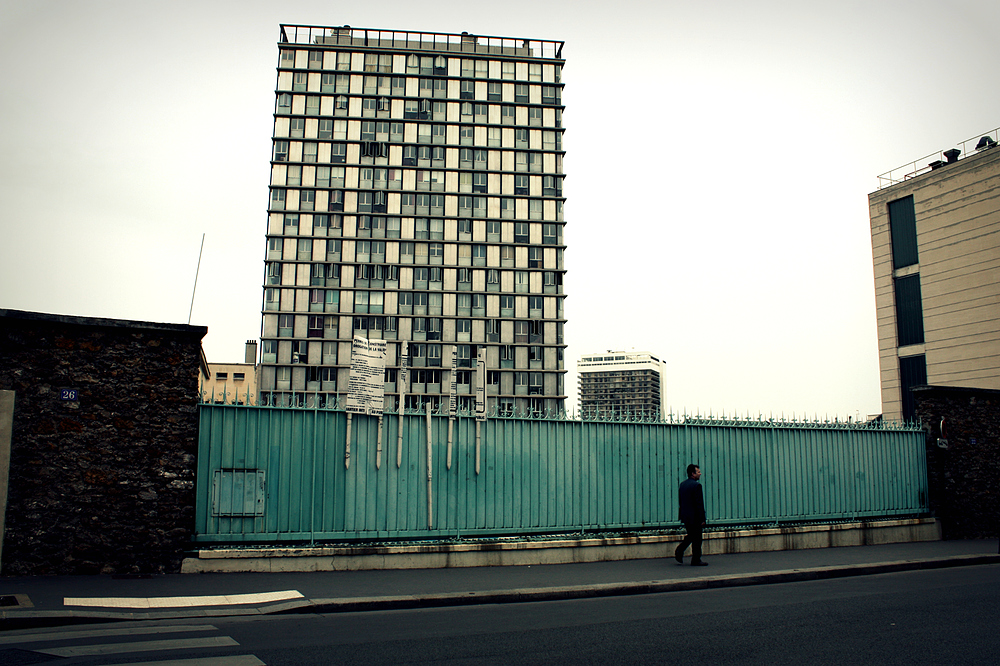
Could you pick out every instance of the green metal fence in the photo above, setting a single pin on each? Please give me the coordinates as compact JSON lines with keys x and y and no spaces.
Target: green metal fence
{"x":269,"y":474}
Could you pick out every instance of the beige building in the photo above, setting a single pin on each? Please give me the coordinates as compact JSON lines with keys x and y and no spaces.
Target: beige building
{"x":416,"y":195}
{"x":617,"y":383}
{"x":232,"y":383}
{"x":936,"y":246}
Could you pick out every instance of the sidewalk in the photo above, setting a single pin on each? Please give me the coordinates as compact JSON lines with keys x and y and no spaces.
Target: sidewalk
{"x":64,"y":599}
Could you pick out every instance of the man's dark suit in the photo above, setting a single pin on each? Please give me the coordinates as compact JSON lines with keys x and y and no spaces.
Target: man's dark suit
{"x":692,"y":514}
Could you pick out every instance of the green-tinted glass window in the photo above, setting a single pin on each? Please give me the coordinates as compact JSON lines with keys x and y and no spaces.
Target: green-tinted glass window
{"x":912,"y":372}
{"x":903,"y":230}
{"x":909,"y":311}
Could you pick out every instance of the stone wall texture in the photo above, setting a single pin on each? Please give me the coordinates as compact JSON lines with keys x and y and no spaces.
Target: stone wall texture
{"x":963,"y":458}
{"x":103,"y":483}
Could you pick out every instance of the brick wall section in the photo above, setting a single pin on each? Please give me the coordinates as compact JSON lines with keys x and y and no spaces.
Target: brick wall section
{"x":963,"y":463}
{"x":105,"y":483}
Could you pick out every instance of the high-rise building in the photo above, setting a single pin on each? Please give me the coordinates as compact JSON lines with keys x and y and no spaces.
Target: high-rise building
{"x":936,"y":247}
{"x":616,"y":384}
{"x":416,"y":195}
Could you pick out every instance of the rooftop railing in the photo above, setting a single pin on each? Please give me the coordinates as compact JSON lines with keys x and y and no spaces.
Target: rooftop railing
{"x":431,"y":41}
{"x":918,"y":167}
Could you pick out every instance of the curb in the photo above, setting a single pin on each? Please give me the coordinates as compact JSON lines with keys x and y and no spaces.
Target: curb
{"x":10,"y":619}
{"x":361,"y":604}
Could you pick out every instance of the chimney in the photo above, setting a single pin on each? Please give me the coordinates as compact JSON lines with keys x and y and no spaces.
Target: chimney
{"x":251,"y":355}
{"x":952,"y":155}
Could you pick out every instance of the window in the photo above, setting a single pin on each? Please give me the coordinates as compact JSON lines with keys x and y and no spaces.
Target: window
{"x":550,"y":95}
{"x":507,"y":114}
{"x":287,"y":58}
{"x":343,"y":61}
{"x":521,"y":138}
{"x":535,"y":257}
{"x":479,"y":182}
{"x":284,"y":104}
{"x":520,"y":184}
{"x":909,"y":310}
{"x":550,"y":234}
{"x":338,"y":153}
{"x":297,"y":128}
{"x":507,"y":71}
{"x":280,"y":151}
{"x":521,"y":232}
{"x":277,"y":199}
{"x":294,"y":175}
{"x":521,"y":93}
{"x":535,"y":116}
{"x":315,"y":60}
{"x":534,"y":71}
{"x":493,"y":91}
{"x":912,"y":372}
{"x":309,"y":151}
{"x":467,"y":90}
{"x":903,"y":232}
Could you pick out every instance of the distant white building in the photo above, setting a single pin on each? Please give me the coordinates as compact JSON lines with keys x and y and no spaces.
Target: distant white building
{"x":618,"y":383}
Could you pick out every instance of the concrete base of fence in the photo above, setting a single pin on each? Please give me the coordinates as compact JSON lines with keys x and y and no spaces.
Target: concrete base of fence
{"x":562,"y":551}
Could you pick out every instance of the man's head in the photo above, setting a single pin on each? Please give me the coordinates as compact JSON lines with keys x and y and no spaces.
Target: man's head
{"x":694,"y":472}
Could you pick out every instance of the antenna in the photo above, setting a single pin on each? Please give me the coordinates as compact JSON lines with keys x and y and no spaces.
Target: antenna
{"x":196,"y":271}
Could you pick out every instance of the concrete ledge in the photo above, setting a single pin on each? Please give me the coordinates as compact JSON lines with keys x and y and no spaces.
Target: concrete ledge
{"x":565,"y":551}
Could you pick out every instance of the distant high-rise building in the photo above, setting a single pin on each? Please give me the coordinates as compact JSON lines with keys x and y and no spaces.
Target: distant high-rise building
{"x":416,"y":195}
{"x":936,"y":248}
{"x":616,"y":384}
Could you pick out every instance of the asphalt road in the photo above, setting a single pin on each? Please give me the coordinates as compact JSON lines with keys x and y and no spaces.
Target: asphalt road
{"x":940,"y":616}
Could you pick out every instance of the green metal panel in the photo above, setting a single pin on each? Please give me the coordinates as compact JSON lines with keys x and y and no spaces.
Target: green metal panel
{"x":541,"y":476}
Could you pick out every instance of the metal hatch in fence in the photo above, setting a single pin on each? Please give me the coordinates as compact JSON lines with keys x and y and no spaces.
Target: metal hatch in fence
{"x":238,"y":492}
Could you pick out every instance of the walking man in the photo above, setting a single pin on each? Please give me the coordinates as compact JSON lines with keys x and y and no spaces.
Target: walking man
{"x":692,"y":514}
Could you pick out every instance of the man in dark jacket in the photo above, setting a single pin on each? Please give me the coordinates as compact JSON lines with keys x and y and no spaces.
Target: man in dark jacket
{"x":692,"y":514}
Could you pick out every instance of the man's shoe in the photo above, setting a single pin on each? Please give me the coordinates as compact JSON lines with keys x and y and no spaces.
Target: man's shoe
{"x":699,"y":564}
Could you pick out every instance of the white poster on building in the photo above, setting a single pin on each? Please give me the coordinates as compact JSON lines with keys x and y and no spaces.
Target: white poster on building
{"x":481,"y":384}
{"x":366,"y":386}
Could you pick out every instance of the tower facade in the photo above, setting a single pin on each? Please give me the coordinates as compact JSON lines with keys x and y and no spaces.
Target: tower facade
{"x":936,"y":250}
{"x":416,"y":195}
{"x":619,"y":384}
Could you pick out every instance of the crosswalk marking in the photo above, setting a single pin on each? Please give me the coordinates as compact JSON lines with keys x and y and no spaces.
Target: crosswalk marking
{"x":235,"y":660}
{"x":111,"y":631}
{"x":140,"y":646}
{"x":179,"y":602}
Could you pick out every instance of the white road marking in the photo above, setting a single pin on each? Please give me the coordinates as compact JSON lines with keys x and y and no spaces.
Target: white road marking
{"x":140,"y":646}
{"x":182,"y":602}
{"x":49,"y":635}
{"x":235,"y":660}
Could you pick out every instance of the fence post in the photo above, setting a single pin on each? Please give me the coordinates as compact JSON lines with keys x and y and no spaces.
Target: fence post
{"x":6,"y":437}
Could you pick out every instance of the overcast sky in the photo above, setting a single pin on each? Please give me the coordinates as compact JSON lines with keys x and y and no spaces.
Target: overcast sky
{"x":719,"y":157}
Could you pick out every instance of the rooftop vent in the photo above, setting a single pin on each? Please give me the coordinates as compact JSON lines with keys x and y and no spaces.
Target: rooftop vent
{"x":985,"y":142}
{"x":952,"y":155}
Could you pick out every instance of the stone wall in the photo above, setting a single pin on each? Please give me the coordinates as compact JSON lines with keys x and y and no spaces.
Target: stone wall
{"x":104,"y":443}
{"x":963,"y":458}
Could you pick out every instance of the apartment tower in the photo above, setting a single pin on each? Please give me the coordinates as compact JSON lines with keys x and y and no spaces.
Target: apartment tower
{"x":416,"y":195}
{"x":620,"y":384}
